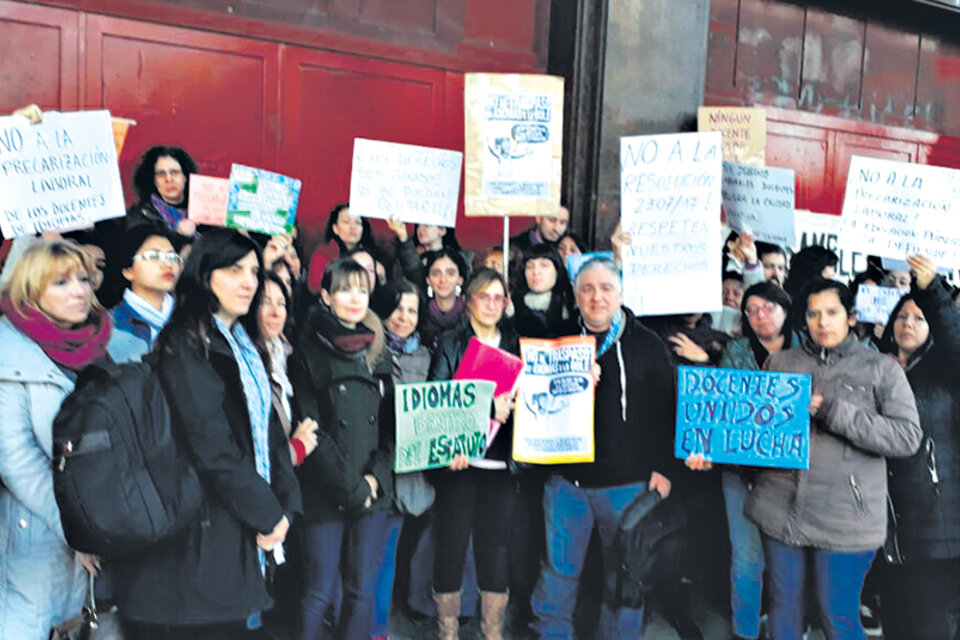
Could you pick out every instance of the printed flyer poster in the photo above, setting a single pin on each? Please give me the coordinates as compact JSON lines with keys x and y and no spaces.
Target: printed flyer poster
{"x":553,"y":418}
{"x":262,"y":201}
{"x":514,"y":144}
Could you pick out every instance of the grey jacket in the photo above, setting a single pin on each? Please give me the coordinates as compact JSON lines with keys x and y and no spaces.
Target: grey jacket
{"x":868,"y":412}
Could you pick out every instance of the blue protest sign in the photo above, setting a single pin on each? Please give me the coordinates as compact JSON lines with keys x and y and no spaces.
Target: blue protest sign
{"x":577,"y":260}
{"x":744,"y":416}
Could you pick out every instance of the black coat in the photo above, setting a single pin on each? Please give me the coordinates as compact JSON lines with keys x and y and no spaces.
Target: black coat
{"x":350,"y":396}
{"x":927,"y":512}
{"x":450,"y":349}
{"x":212,"y":572}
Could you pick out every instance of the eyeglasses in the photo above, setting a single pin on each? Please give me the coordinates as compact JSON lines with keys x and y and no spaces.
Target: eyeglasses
{"x":172,"y":173}
{"x":497,"y":300}
{"x":766,"y":308}
{"x":158,"y":256}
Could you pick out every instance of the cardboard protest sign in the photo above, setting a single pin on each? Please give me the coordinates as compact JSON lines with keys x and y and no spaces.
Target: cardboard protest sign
{"x":208,"y":200}
{"x":670,"y":203}
{"x":59,"y":174}
{"x":892,"y":264}
{"x":875,"y":303}
{"x":760,"y":200}
{"x":577,"y":260}
{"x":438,"y":420}
{"x":744,"y":416}
{"x":483,"y":362}
{"x":897,"y":209}
{"x":744,"y":131}
{"x":414,"y":184}
{"x":553,"y":416}
{"x":513,"y":135}
{"x":261,"y":201}
{"x":823,"y":230}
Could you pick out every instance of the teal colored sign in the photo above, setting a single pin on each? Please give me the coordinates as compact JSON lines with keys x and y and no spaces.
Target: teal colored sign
{"x":744,"y":416}
{"x":438,"y":420}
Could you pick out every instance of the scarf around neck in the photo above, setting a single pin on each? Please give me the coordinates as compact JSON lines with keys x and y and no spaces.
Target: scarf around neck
{"x":343,"y":338}
{"x":155,"y":318}
{"x":410,"y":344}
{"x":171,"y":214}
{"x":70,"y":348}
{"x":446,"y":319}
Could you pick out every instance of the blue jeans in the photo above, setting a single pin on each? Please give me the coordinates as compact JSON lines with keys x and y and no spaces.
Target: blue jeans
{"x":837,"y":578}
{"x":348,"y":550}
{"x":571,"y":514}
{"x":746,"y":565}
{"x":383,"y":593}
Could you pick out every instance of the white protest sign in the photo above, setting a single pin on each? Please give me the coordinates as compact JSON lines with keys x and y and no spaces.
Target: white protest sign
{"x":58,"y":175}
{"x":414,"y":184}
{"x":670,"y":204}
{"x":823,"y":230}
{"x":897,"y":209}
{"x":760,"y":200}
{"x":875,"y":303}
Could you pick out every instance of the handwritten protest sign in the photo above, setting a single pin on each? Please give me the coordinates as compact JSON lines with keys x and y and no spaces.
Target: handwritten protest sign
{"x":874,"y":303}
{"x":823,"y":230}
{"x":743,"y":416}
{"x":208,"y":200}
{"x":262,"y":201}
{"x":892,"y":264}
{"x":58,"y":175}
{"x":438,"y":420}
{"x":897,"y":209}
{"x":744,"y":131}
{"x":576,"y":260}
{"x":760,"y":200}
{"x":670,"y":203}
{"x":553,"y":418}
{"x":514,"y":144}
{"x":414,"y":184}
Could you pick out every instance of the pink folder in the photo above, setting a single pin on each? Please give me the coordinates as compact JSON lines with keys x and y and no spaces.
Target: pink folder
{"x":483,"y":362}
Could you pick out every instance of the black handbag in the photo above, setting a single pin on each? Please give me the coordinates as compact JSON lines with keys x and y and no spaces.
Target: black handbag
{"x":649,"y":541}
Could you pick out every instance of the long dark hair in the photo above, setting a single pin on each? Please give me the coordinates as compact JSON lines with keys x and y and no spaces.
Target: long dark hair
{"x":449,"y":239}
{"x":143,"y":178}
{"x":561,"y":295}
{"x":195,"y":300}
{"x":329,"y":235}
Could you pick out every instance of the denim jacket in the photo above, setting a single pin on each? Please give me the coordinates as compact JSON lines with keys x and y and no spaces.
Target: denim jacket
{"x":40,"y":584}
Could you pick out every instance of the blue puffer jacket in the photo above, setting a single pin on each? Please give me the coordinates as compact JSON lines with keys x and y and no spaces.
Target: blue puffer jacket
{"x":40,"y":584}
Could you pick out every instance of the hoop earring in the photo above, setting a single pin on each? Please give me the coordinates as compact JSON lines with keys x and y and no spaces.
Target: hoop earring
{"x":458,"y":290}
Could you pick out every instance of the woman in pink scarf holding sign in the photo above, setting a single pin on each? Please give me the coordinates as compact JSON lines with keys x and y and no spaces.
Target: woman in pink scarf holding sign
{"x":475,"y":499}
{"x":52,"y":327}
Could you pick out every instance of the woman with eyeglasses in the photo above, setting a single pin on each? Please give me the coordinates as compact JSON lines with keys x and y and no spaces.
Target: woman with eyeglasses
{"x":472,"y":499}
{"x":162,"y":179}
{"x":151,"y":265}
{"x":766,"y":307}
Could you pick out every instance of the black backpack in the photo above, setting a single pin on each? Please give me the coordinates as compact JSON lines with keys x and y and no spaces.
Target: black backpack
{"x":119,"y":481}
{"x":649,"y":542}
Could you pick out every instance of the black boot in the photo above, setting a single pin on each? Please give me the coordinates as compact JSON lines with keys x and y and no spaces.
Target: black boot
{"x":679,"y":611}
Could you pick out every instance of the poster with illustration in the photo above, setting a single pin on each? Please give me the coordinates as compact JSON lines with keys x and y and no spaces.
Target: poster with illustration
{"x":262,"y":201}
{"x":553,"y":416}
{"x":514,"y":144}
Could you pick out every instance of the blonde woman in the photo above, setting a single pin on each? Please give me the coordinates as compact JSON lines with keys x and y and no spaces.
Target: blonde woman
{"x":52,"y":327}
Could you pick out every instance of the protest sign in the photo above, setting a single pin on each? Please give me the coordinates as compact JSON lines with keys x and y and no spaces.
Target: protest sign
{"x":261,"y":201}
{"x":577,"y":260}
{"x":823,"y":230}
{"x":438,"y":420}
{"x":513,"y":135}
{"x":874,"y":303}
{"x":553,"y":417}
{"x":891,"y":264}
{"x":483,"y":362}
{"x":744,"y":416}
{"x":897,"y":209}
{"x":760,"y":200}
{"x":414,"y":184}
{"x":208,"y":200}
{"x":59,"y":174}
{"x":670,"y":203}
{"x":744,"y":131}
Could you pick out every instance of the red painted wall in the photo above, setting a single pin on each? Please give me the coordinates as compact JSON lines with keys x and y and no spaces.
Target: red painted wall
{"x":262,"y":101}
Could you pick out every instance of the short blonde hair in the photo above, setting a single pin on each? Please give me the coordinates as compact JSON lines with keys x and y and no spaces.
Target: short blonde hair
{"x":39,"y":265}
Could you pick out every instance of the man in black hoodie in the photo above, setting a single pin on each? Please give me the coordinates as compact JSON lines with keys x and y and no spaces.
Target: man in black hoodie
{"x":633,"y":433}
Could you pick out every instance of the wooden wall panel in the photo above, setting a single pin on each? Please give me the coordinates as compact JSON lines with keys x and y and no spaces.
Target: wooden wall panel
{"x":214,"y":95}
{"x":722,"y":46}
{"x":807,"y":150}
{"x":850,"y":144}
{"x":39,"y":50}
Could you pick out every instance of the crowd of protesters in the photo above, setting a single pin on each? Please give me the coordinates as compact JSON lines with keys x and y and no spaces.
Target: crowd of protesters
{"x":280,"y":381}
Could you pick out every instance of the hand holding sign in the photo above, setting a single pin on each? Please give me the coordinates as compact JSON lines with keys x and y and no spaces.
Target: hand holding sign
{"x":923,"y":268}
